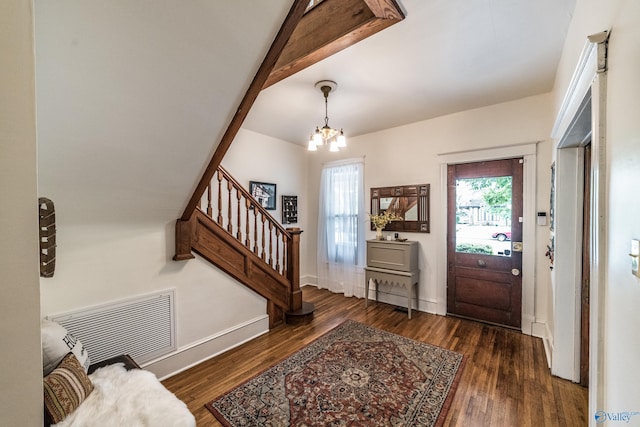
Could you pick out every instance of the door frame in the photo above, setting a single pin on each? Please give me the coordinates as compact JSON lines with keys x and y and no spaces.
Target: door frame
{"x":528,"y":152}
{"x":589,"y":81}
{"x":585,"y":310}
{"x":566,"y":276}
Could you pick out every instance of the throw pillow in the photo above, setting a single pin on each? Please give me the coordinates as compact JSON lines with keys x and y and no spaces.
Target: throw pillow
{"x":56,"y":343}
{"x":65,"y":388}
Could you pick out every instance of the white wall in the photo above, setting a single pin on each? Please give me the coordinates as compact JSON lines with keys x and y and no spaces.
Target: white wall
{"x":544,"y":292}
{"x":256,"y":157}
{"x":621,"y":373}
{"x":409,"y":155}
{"x":97,"y":263}
{"x":132,"y":99}
{"x":623,"y":141}
{"x":21,"y":372}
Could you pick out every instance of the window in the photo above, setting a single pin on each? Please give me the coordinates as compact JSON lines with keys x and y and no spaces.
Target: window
{"x":341,"y":227}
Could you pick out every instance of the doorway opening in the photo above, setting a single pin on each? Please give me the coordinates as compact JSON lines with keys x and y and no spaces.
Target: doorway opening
{"x":572,"y":236}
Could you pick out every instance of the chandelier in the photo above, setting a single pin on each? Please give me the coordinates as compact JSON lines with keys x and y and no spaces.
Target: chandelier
{"x":326,"y":134}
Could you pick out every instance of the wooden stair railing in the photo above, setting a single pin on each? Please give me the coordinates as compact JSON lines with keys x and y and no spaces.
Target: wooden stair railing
{"x":230,"y":229}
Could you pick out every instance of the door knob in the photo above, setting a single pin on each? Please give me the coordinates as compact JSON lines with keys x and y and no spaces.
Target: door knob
{"x":515,"y":272}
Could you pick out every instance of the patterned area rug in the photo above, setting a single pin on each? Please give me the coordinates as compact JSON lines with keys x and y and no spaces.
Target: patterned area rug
{"x":353,"y":375}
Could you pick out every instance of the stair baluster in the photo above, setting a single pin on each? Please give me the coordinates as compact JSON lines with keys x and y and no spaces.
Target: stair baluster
{"x":209,"y":207}
{"x":239,"y":225}
{"x":219,"y":198}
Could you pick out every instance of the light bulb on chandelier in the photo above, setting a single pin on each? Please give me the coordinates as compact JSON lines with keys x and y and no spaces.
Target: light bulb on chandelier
{"x":326,"y":134}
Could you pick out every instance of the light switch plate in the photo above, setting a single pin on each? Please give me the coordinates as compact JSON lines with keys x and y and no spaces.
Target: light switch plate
{"x":542,"y":218}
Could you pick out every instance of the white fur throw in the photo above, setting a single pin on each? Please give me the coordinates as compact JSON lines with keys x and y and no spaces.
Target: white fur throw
{"x":129,"y":398}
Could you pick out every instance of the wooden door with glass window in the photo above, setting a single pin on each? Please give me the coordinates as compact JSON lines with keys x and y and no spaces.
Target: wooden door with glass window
{"x":484,"y":241}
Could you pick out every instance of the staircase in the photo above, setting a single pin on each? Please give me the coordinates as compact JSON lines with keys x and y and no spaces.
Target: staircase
{"x":231,"y":230}
{"x":225,"y":225}
{"x":221,"y":221}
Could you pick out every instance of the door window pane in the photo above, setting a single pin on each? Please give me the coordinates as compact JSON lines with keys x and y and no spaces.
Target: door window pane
{"x":483,"y":215}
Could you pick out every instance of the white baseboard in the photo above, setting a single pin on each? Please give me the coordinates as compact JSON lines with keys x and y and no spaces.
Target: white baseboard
{"x":197,"y":352}
{"x":426,"y":305}
{"x":308,"y":280}
{"x":548,"y":350}
{"x":541,"y":330}
{"x":527,"y":324}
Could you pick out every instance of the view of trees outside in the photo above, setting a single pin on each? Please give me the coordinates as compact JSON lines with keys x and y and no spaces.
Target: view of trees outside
{"x":483,"y":215}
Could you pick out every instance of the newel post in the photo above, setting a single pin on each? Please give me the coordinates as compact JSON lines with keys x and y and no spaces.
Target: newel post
{"x":183,"y":240}
{"x":293,"y":270}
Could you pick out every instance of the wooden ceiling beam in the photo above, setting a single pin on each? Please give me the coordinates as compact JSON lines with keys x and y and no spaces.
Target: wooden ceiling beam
{"x":330,"y":27}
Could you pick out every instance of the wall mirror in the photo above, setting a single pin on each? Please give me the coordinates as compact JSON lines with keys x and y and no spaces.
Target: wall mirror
{"x":411,"y":202}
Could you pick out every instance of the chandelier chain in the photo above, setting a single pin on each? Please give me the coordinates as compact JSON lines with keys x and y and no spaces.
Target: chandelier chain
{"x":326,"y":109}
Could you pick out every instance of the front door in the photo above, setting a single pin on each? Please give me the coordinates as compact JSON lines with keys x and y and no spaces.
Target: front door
{"x":484,"y":241}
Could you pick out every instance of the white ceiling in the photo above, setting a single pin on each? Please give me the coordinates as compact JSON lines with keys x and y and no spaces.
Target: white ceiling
{"x":446,"y":56}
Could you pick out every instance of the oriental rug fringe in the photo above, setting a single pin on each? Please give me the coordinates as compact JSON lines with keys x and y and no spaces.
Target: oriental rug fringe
{"x":353,"y":375}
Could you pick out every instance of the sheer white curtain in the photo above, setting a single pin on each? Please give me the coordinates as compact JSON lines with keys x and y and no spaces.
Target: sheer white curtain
{"x":341,"y":228}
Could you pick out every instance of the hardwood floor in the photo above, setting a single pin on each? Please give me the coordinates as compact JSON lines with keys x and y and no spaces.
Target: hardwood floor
{"x":505,"y":382}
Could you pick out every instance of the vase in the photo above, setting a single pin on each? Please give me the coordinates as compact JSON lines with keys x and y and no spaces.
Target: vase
{"x":379,"y":235}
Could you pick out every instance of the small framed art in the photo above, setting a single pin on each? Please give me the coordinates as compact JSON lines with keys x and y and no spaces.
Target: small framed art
{"x":289,"y":209}
{"x":264,"y":193}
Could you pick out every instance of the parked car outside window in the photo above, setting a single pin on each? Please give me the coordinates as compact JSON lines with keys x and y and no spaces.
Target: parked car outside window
{"x":502,"y":235}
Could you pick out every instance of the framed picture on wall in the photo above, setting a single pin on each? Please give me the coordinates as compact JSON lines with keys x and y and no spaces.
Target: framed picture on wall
{"x":264,"y":193}
{"x":289,"y":209}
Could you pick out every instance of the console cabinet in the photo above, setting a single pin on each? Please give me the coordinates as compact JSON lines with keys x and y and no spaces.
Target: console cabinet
{"x":395,"y":263}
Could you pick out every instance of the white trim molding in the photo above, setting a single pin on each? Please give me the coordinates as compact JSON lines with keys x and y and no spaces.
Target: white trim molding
{"x":541,"y":330}
{"x":190,"y":355}
{"x":528,"y":152}
{"x":309,"y":279}
{"x":567,"y":271}
{"x":589,"y":80}
{"x":578,"y":87}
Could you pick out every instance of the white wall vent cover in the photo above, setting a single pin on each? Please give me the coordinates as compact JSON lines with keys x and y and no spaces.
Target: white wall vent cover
{"x":142,"y":327}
